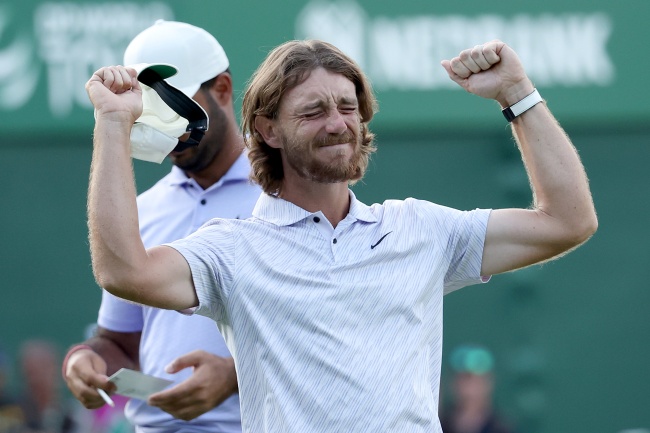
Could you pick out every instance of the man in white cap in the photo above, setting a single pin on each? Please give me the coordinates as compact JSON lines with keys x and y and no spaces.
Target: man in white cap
{"x":206,"y":181}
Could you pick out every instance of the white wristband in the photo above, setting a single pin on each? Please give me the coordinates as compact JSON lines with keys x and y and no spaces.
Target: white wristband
{"x":510,"y":113}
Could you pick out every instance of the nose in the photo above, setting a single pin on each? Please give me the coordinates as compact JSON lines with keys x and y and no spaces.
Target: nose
{"x":335,"y":123}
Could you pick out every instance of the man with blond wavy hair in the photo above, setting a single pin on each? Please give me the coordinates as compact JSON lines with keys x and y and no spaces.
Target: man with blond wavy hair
{"x":262,"y":100}
{"x":332,"y":309}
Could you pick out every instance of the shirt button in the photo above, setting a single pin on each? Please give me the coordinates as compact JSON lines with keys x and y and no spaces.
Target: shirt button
{"x":316,"y":219}
{"x":334,"y":241}
{"x":203,"y":201}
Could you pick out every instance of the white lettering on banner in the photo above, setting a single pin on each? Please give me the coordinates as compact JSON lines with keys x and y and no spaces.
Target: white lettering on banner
{"x":404,"y":53}
{"x":75,"y":40}
{"x":72,"y":40}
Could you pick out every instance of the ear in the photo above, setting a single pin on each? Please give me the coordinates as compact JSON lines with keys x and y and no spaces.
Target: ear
{"x":267,"y":129}
{"x":221,"y":89}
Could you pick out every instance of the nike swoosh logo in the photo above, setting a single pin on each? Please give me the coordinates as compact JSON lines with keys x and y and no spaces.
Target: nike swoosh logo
{"x":372,"y":247}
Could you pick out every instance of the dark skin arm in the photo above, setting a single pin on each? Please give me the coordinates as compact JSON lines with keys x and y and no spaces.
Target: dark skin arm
{"x":213,"y":379}
{"x":87,"y":370}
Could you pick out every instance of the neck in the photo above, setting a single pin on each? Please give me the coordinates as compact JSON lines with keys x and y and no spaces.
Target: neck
{"x":232,"y":149}
{"x":333,"y":199}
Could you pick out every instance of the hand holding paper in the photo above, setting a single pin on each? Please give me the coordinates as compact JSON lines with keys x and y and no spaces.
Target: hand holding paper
{"x":135,"y":384}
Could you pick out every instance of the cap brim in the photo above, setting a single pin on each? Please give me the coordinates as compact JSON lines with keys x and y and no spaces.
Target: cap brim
{"x":165,"y":70}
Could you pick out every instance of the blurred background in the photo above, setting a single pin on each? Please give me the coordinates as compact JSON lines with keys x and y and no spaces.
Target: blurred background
{"x":569,"y":339}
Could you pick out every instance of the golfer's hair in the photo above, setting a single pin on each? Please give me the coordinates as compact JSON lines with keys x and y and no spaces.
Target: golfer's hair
{"x":287,"y":66}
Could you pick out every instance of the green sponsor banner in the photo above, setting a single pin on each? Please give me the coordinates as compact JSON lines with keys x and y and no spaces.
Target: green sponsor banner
{"x":587,"y":58}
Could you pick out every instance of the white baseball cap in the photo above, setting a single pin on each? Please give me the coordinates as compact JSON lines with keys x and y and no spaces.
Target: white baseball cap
{"x":194,"y":52}
{"x":167,"y":114}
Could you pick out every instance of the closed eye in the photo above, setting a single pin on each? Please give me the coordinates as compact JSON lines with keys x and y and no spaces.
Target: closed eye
{"x":311,"y":115}
{"x":348,"y":110}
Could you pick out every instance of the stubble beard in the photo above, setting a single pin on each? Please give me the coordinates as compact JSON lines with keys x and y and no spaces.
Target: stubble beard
{"x":300,"y":157}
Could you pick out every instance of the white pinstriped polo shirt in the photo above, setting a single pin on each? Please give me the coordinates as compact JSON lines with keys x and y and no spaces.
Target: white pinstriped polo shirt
{"x":336,"y":330}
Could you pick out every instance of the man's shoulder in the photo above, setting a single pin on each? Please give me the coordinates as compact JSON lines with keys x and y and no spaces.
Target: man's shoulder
{"x":412,"y":211}
{"x":400,"y":206}
{"x":415,"y":204}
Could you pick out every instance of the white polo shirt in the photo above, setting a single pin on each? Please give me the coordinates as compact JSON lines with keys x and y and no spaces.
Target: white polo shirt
{"x":336,"y":330}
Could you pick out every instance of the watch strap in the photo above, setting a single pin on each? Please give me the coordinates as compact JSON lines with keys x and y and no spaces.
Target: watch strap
{"x":517,"y":109}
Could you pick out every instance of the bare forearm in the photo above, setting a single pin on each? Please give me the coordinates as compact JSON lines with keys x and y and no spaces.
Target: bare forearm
{"x":115,"y":243}
{"x":558,"y":179}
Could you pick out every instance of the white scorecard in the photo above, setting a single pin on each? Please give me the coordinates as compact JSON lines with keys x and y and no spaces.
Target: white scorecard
{"x":135,"y":384}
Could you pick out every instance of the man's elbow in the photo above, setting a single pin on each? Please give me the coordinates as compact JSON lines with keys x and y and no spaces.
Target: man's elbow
{"x":115,"y":285}
{"x":589,"y":225}
{"x":583,"y":229}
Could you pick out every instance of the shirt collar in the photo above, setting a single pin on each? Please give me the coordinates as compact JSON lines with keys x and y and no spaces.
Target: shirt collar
{"x":239,"y":171}
{"x":280,"y":212}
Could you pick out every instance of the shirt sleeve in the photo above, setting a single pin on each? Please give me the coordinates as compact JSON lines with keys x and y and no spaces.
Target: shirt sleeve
{"x":118,"y":315}
{"x":460,"y":236}
{"x":210,"y":253}
{"x":465,"y":250}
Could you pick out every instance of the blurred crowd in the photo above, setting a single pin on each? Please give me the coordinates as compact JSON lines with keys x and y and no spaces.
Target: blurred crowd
{"x":36,"y":401}
{"x":41,"y":403}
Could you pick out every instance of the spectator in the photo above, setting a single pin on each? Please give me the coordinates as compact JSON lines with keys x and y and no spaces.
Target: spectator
{"x":471,"y":409}
{"x":11,"y":414}
{"x":44,"y":408}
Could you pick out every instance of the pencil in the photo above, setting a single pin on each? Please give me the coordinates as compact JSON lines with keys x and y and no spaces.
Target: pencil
{"x":106,"y":398}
